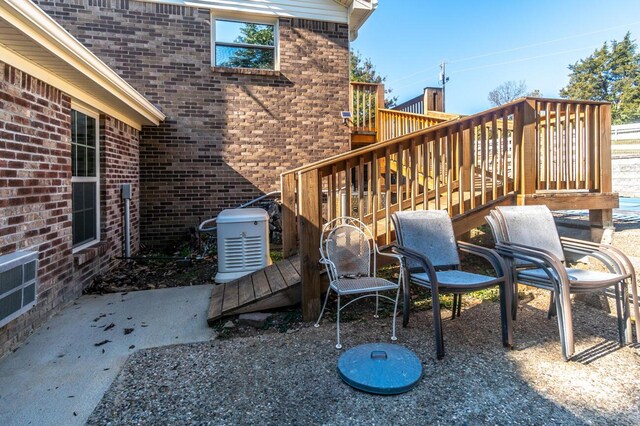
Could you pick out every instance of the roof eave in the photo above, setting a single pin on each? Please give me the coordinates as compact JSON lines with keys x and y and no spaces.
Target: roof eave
{"x":46,"y":32}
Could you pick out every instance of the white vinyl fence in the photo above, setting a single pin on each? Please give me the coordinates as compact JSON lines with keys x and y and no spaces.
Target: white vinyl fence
{"x":623,"y":132}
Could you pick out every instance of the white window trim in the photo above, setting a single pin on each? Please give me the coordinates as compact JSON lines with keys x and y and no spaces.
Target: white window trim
{"x":96,"y":178}
{"x":249,"y":19}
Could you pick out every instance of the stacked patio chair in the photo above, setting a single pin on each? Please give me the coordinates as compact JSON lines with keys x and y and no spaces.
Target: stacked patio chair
{"x":526,"y":236}
{"x":427,"y":242}
{"x":346,"y":249}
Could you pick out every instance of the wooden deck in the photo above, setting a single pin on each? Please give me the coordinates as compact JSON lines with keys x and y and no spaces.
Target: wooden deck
{"x":275,"y":286}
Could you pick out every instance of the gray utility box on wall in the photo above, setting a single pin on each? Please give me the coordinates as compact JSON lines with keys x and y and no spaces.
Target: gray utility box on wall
{"x":18,"y":279}
{"x":243,"y":243}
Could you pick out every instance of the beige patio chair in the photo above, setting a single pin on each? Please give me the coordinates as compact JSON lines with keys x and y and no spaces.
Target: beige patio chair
{"x":526,"y":236}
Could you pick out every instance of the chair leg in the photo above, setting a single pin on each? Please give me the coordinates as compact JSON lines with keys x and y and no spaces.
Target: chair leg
{"x":636,"y":309}
{"x":626,"y":314}
{"x":567,"y":320}
{"x":459,"y":304}
{"x":437,"y":324}
{"x":324,"y":305}
{"x":454,"y":306}
{"x":395,"y":313}
{"x":376,"y":314}
{"x":619,"y":314}
{"x":506,"y":316}
{"x":563,"y":347}
{"x":338,"y":345}
{"x":406,"y":300}
{"x":552,"y":306}
{"x":514,"y":301}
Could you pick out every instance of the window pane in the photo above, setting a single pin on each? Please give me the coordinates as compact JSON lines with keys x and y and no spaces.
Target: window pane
{"x":74,"y":159}
{"x":241,"y":57}
{"x":84,"y":212}
{"x":91,"y":161}
{"x":81,"y":129}
{"x":244,"y":32}
{"x":81,"y":160}
{"x":91,"y":131}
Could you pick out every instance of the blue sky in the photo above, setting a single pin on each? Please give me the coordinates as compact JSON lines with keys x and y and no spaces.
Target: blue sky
{"x":486,"y":43}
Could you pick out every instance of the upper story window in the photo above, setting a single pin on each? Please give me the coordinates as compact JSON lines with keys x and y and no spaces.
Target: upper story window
{"x":245,"y":44}
{"x":85,"y":191}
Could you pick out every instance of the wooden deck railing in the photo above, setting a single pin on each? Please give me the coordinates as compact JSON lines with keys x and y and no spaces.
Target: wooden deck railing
{"x":365,"y":99}
{"x":393,"y":124}
{"x":464,"y":166}
{"x":565,"y":158}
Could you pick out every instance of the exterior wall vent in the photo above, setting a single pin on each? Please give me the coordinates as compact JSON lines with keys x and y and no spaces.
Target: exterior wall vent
{"x":18,"y":278}
{"x":243,"y":243}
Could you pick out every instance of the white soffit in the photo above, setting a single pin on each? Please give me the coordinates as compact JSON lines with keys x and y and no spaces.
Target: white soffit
{"x":33,"y":42}
{"x":352,"y":12}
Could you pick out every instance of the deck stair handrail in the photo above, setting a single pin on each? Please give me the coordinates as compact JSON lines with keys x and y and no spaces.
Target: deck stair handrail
{"x":393,"y":124}
{"x":529,"y":151}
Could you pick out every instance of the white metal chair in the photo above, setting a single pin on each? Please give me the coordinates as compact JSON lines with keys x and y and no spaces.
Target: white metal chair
{"x":346,"y":249}
{"x":526,"y":236}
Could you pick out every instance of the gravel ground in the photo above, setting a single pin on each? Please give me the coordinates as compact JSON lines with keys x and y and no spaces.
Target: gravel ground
{"x":291,"y":378}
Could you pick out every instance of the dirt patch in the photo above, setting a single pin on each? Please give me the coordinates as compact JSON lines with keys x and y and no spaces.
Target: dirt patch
{"x":155,"y":272}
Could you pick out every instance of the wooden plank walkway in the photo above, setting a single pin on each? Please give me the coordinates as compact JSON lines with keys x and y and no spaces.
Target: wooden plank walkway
{"x":275,"y":286}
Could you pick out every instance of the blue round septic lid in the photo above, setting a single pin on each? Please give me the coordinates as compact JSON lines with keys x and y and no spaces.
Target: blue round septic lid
{"x":380,"y":368}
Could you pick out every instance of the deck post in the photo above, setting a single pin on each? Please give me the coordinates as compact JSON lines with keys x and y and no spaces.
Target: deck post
{"x":379,"y":105}
{"x":467,"y":164}
{"x":599,"y":220}
{"x":289,"y":225}
{"x":525,"y":132}
{"x":309,"y":224}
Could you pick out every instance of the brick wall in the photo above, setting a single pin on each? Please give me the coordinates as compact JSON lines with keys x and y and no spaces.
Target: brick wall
{"x":35,"y":190}
{"x":35,"y":194}
{"x":228,"y":135}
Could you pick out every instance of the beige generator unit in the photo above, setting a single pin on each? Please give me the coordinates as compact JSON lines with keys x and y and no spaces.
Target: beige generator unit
{"x":243,"y":243}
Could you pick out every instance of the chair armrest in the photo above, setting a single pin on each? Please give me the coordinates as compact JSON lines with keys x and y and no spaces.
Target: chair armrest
{"x":486,"y":253}
{"x":615,"y":260}
{"x":418,"y":257}
{"x":545,"y":260}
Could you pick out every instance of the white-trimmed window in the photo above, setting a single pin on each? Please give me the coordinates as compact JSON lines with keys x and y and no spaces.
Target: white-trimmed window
{"x":85,"y":176}
{"x":245,"y":43}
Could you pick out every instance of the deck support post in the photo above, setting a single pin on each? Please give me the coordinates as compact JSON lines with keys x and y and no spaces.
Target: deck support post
{"x":309,"y":225}
{"x":525,"y":133}
{"x":379,"y":105}
{"x":289,"y":225}
{"x":599,"y":220}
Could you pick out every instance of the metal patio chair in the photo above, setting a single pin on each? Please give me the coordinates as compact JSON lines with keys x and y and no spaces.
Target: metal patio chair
{"x":427,"y":242}
{"x":346,"y":249}
{"x":527,"y":237}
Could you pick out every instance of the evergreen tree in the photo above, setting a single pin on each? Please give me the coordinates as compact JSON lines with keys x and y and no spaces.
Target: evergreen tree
{"x":363,"y":70}
{"x":610,"y":74}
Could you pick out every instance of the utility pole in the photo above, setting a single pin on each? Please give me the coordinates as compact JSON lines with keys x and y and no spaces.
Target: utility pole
{"x":443,"y":80}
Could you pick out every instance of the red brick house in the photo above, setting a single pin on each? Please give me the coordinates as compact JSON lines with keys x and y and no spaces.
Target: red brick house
{"x":199,"y":105}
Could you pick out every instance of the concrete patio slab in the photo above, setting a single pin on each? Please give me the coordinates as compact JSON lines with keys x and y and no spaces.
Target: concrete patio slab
{"x":59,"y":374}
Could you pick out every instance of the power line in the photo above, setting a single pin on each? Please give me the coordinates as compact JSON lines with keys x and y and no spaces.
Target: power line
{"x":542,"y":43}
{"x":522,"y":59}
{"x":514,"y":49}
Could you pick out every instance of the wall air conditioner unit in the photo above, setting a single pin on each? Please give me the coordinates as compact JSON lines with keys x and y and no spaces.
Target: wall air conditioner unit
{"x":18,"y":277}
{"x":243,"y":243}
